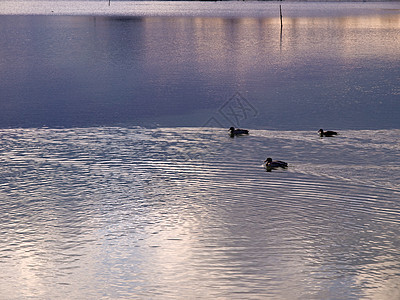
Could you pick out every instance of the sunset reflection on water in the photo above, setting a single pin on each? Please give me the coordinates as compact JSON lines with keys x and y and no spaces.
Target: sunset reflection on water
{"x":119,"y":180}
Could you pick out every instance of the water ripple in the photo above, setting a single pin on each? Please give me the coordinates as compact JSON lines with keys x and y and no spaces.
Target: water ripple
{"x":193,"y":212}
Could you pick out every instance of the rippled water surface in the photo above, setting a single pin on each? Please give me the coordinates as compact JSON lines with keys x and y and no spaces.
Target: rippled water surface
{"x":118,"y":179}
{"x":178,"y":213}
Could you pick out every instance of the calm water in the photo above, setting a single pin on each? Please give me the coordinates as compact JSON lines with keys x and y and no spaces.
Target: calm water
{"x":118,"y":179}
{"x":333,"y":71}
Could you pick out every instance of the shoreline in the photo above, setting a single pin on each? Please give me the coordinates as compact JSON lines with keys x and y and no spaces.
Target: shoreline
{"x":223,"y":9}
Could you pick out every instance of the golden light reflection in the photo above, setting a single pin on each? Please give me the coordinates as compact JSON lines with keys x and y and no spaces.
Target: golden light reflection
{"x":245,"y":45}
{"x":349,"y":37}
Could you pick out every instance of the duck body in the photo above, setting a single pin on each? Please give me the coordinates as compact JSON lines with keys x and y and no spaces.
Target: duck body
{"x":327,"y":133}
{"x":237,"y":131}
{"x":270,"y":164}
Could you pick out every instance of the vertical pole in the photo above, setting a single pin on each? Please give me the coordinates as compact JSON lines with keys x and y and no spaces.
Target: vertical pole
{"x":109,"y":2}
{"x":280,"y":40}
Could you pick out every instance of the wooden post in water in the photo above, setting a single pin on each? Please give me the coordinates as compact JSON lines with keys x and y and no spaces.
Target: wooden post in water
{"x":280,"y":39}
{"x":109,"y":2}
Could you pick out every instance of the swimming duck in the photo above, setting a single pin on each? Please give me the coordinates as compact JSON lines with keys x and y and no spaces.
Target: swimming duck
{"x":269,"y":164}
{"x":326,"y":133}
{"x":237,"y":131}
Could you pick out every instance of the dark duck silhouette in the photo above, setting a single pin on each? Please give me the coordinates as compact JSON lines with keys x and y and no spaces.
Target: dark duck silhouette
{"x":270,"y":164}
{"x":237,"y":131}
{"x":326,"y":133}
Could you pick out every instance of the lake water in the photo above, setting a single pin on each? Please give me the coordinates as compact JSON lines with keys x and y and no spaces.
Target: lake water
{"x":118,"y":179}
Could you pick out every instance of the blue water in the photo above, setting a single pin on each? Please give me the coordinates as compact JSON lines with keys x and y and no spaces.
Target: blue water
{"x":331,"y":71}
{"x":119,"y":180}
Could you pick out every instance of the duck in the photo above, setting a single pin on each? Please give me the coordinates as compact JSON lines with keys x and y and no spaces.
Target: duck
{"x":270,"y":164}
{"x":326,"y":133}
{"x":237,"y":131}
